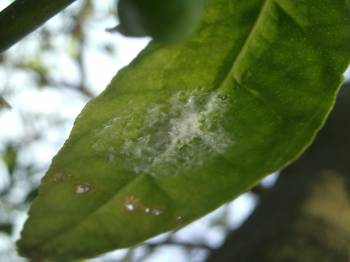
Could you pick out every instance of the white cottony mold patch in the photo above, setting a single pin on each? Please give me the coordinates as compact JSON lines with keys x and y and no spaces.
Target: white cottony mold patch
{"x":180,"y":133}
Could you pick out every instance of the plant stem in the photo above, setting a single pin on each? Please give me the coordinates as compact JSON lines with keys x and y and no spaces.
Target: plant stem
{"x":24,"y":16}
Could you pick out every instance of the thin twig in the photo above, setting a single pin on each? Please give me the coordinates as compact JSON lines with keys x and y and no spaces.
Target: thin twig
{"x":24,"y":16}
{"x":171,"y":242}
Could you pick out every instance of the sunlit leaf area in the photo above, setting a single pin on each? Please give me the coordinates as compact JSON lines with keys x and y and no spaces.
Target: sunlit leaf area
{"x":47,"y":79}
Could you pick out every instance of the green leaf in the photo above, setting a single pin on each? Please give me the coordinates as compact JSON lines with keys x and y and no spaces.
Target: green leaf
{"x":167,"y":21}
{"x":186,"y":128}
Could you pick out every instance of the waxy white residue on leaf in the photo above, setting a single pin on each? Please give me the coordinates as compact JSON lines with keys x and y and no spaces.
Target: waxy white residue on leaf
{"x":171,"y":136}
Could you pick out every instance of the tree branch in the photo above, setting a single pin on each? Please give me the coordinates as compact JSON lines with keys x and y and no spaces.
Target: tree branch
{"x":24,"y":16}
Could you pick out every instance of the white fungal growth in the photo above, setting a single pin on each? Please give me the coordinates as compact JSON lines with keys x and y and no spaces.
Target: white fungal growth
{"x":130,"y":206}
{"x":170,"y":137}
{"x":82,"y":188}
{"x":179,"y":219}
{"x":156,"y":212}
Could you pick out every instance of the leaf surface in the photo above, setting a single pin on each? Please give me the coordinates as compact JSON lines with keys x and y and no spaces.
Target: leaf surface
{"x":188,"y":127}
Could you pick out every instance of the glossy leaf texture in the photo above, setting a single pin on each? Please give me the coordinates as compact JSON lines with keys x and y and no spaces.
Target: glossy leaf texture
{"x":185,"y":128}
